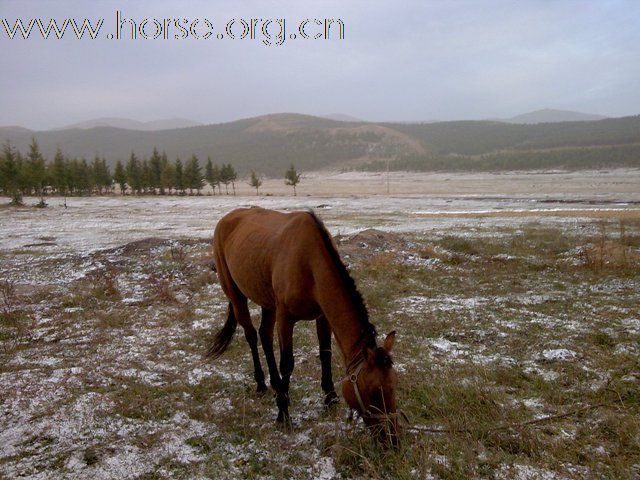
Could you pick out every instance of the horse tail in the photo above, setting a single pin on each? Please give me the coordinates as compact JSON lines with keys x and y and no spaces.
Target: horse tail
{"x":223,"y":338}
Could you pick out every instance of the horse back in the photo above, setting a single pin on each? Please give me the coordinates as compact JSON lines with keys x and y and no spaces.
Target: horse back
{"x":269,"y":257}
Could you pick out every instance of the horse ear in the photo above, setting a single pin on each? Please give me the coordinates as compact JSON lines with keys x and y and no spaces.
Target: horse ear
{"x":389,"y":340}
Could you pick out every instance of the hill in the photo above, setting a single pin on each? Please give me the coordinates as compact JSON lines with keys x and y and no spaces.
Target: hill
{"x":127,"y":123}
{"x":341,"y":117}
{"x":549,"y":115}
{"x":268,"y":144}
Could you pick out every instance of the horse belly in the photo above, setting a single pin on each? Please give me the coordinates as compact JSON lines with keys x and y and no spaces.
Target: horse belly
{"x":252,"y":276}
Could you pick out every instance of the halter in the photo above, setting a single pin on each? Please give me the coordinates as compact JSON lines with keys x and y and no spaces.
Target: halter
{"x":353,"y":378}
{"x":355,"y":367}
{"x":358,"y":363}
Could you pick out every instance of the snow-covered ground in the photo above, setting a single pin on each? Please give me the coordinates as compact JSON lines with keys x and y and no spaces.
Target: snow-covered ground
{"x":93,"y":223}
{"x":97,"y":384}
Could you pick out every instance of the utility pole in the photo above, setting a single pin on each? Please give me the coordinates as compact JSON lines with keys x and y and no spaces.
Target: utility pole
{"x":388,"y":176}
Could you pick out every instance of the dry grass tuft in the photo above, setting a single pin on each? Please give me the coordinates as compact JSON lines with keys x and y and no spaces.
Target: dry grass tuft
{"x":8,"y":295}
{"x":609,"y":253}
{"x":106,"y":284}
{"x":162,"y":289}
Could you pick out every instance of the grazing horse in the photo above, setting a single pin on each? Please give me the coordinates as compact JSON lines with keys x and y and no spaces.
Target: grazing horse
{"x":289,"y":265}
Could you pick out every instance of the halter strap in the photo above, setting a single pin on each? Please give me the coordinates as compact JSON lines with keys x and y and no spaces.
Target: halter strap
{"x":355,"y":367}
{"x":353,"y":378}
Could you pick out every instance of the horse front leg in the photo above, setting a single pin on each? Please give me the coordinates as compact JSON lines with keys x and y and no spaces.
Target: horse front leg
{"x":323,"y":330}
{"x":285,"y":337}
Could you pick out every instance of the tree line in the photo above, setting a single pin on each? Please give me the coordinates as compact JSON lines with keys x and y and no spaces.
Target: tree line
{"x":610,"y":156}
{"x":157,"y":175}
{"x":31,"y":174}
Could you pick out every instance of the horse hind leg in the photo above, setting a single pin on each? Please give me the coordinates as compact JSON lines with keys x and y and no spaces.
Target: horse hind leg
{"x":258,"y":373}
{"x":241,"y":310}
{"x":266,"y":338}
{"x":324,"y":339}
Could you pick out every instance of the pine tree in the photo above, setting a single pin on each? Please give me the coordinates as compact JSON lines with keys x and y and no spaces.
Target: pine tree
{"x":208,"y":174}
{"x":179,"y":176}
{"x":72,"y":172}
{"x":233,"y":176}
{"x":24,"y":185}
{"x":85,"y":179}
{"x":107,"y":178}
{"x":168,"y":177}
{"x":255,"y":182}
{"x":155,"y":166}
{"x":134,"y":173}
{"x":198,"y":177}
{"x":58,"y":173}
{"x":193,"y":175}
{"x":95,"y":174}
{"x":216,"y":175}
{"x":120,"y":177}
{"x":10,"y":174}
{"x":163,"y":181}
{"x":145,"y":176}
{"x":225,"y":177}
{"x":37,"y":172}
{"x":292,"y":177}
{"x":103,"y":176}
{"x":228,"y":176}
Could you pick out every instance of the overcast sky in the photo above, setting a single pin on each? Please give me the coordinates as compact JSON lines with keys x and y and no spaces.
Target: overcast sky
{"x":408,"y":61}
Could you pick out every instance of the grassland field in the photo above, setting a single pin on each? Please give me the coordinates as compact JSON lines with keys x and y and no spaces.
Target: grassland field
{"x":512,"y":310}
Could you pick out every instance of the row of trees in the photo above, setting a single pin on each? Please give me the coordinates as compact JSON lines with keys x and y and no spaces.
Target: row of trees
{"x":33,"y":175}
{"x":158,"y":175}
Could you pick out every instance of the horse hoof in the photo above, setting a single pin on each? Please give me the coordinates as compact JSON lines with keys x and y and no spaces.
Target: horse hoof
{"x":284,"y":422}
{"x":330,"y":399}
{"x":262,"y":389}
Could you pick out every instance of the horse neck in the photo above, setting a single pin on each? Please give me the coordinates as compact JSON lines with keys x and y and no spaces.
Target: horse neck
{"x":342,"y":314}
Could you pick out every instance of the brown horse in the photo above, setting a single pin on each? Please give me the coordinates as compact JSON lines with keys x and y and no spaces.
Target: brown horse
{"x":288,"y":264}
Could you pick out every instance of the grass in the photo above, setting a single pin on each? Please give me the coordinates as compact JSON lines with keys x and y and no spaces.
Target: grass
{"x":477,"y":397}
{"x":121,"y":353}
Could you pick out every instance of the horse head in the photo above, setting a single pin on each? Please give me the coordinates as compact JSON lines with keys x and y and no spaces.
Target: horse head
{"x":370,"y":389}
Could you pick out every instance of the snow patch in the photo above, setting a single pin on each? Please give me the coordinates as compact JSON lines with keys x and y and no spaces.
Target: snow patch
{"x":557,"y":355}
{"x":324,"y":469}
{"x":445,"y":345}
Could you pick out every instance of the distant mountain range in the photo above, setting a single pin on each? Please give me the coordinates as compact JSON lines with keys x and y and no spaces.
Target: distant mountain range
{"x":167,"y":124}
{"x":546,"y":115}
{"x":128,"y":124}
{"x":270,"y":143}
{"x":549,"y":115}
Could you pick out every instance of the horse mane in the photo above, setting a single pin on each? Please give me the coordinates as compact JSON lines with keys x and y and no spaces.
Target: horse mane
{"x":369,"y":330}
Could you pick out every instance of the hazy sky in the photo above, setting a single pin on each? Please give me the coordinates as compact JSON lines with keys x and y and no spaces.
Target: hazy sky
{"x":409,"y":60}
